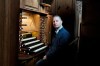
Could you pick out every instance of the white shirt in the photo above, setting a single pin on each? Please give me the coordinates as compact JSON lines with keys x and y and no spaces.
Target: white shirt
{"x":58,"y":29}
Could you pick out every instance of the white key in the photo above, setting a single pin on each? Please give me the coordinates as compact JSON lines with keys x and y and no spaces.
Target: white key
{"x":25,"y":34}
{"x":36,"y":45}
{"x":28,"y":39}
{"x":37,"y":50}
{"x":31,"y":42}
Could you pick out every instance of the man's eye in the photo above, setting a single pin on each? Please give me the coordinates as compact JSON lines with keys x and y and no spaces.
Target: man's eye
{"x":56,"y":20}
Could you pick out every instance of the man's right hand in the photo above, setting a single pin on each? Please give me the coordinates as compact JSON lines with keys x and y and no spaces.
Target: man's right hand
{"x":45,"y":57}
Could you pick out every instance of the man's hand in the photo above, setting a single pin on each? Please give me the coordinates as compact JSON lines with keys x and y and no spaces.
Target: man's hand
{"x":45,"y":57}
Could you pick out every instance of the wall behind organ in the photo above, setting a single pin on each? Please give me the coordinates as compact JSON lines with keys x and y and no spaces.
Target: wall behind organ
{"x":33,"y":23}
{"x":66,"y":9}
{"x":63,"y":7}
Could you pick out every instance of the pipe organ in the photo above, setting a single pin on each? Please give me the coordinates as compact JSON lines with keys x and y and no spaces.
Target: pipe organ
{"x":34,"y":34}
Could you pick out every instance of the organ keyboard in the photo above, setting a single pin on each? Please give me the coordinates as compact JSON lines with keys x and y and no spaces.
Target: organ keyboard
{"x":30,"y":46}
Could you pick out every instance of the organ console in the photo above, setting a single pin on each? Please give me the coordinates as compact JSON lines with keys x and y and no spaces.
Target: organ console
{"x":30,"y":47}
{"x":34,"y":34}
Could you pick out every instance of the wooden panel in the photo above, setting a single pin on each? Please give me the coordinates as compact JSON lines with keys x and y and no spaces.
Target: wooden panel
{"x":29,"y":2}
{"x":32,"y":3}
{"x":2,"y":19}
{"x":90,"y":33}
{"x":62,"y":7}
{"x":22,"y":3}
{"x":9,"y":10}
{"x":48,"y":29}
{"x":53,"y":7}
{"x":91,"y":17}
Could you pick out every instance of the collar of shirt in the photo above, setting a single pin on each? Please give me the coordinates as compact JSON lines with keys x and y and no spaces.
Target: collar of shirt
{"x":58,"y":29}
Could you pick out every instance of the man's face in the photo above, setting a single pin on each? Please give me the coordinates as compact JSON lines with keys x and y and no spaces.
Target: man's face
{"x":57,"y":22}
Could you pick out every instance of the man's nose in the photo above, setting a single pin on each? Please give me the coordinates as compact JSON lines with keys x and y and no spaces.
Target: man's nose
{"x":55,"y":22}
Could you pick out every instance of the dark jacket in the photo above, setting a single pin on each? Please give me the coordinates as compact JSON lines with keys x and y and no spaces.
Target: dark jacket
{"x":57,"y":51}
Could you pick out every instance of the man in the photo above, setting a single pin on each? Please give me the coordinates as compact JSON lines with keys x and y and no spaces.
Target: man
{"x":58,"y":48}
